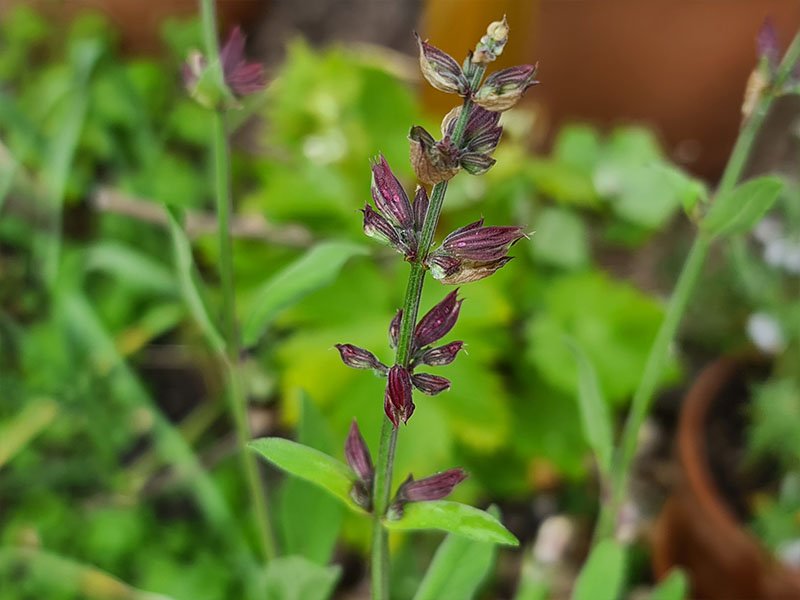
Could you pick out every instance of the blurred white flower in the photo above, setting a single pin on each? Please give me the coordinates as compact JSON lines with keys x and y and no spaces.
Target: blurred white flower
{"x":765,"y":332}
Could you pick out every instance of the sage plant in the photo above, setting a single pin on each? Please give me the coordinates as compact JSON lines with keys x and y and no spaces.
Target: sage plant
{"x":469,"y":134}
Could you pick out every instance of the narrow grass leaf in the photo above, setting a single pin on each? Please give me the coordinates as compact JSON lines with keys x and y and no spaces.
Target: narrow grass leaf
{"x":312,"y":465}
{"x":315,"y":269}
{"x":743,"y":207}
{"x":131,"y":267}
{"x":603,"y":575}
{"x":459,"y":567}
{"x":16,"y":433}
{"x":454,"y":517}
{"x":595,"y":417}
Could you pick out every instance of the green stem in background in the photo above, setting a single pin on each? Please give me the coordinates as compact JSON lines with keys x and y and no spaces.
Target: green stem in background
{"x":384,"y":466}
{"x":236,"y":392}
{"x":687,"y":280}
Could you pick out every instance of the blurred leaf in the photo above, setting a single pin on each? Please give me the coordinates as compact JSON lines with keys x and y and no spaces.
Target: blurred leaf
{"x":295,"y":578}
{"x":309,"y":519}
{"x":458,"y":568}
{"x":775,"y":414}
{"x":22,"y":428}
{"x":560,"y":239}
{"x":309,"y":464}
{"x":577,"y":146}
{"x":317,"y":268}
{"x":741,"y":208}
{"x":461,"y":519}
{"x":674,"y":587}
{"x":131,"y":267}
{"x":603,"y":575}
{"x":595,"y":417}
{"x":564,"y":183}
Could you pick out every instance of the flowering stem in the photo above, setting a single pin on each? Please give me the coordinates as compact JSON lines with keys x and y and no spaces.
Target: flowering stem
{"x":690,"y":274}
{"x":235,"y":388}
{"x":388,"y":441}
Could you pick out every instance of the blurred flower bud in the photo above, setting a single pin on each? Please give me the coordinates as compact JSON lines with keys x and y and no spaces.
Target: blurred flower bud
{"x":438,"y":321}
{"x":357,"y":455}
{"x":440,"y":356}
{"x":389,"y":196}
{"x":433,"y":161}
{"x":502,"y":90}
{"x":420,"y":207}
{"x":398,"y":402}
{"x":478,"y":243}
{"x":430,"y":384}
{"x":441,"y":70}
{"x":394,"y":329}
{"x":767,"y":45}
{"x":492,"y":44}
{"x":430,"y":488}
{"x":358,"y":358}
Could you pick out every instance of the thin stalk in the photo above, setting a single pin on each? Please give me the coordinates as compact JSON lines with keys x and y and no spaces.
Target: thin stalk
{"x":687,"y":280}
{"x":235,"y":389}
{"x":388,"y":442}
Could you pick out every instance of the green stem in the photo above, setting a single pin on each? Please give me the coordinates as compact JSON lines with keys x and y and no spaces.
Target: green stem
{"x":687,"y":280}
{"x":388,"y":442}
{"x":236,"y":392}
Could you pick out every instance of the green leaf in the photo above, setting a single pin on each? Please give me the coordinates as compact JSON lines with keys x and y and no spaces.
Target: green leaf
{"x":595,"y":417}
{"x":309,"y":464}
{"x":742,"y":207}
{"x":317,"y":268}
{"x":454,"y":517}
{"x":458,"y":568}
{"x":296,"y":578}
{"x":603,"y":575}
{"x":190,"y":287}
{"x":131,"y":267}
{"x":673,"y":587}
{"x":561,"y":239}
{"x":17,"y":432}
{"x":310,"y":520}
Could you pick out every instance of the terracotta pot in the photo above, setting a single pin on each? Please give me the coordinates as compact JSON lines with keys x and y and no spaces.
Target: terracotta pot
{"x":698,"y":529}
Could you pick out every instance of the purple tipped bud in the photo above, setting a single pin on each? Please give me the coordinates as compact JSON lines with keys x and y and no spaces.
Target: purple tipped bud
{"x":390,"y":198}
{"x":394,"y":329}
{"x":434,"y":487}
{"x":438,"y":321}
{"x":492,"y":44}
{"x":357,"y":455}
{"x":476,"y":164}
{"x":767,"y":44}
{"x":440,"y":356}
{"x":481,"y":243}
{"x":378,"y":228}
{"x":433,"y":161}
{"x":452,"y":271}
{"x":242,"y":78}
{"x":482,"y":133}
{"x":502,"y":90}
{"x":420,"y":206}
{"x":358,"y":358}
{"x":430,"y":384}
{"x":398,"y":402}
{"x":441,"y":70}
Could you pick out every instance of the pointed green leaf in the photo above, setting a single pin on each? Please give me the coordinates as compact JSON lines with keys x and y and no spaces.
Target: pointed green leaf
{"x":131,"y":266}
{"x":595,"y":417}
{"x":458,"y":569}
{"x":603,"y":575}
{"x":742,"y":207}
{"x":454,"y":517}
{"x":296,"y":578}
{"x":315,"y":269}
{"x":674,"y":587}
{"x":312,"y":465}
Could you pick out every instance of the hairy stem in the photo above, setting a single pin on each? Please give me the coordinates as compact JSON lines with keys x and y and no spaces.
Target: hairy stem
{"x":235,"y":389}
{"x":388,"y":442}
{"x":687,"y":280}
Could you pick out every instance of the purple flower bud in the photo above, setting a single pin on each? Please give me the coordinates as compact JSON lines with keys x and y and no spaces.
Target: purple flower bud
{"x":358,"y":358}
{"x":476,"y":164}
{"x":430,"y":384}
{"x":453,"y":271}
{"x":441,"y":70}
{"x":492,"y":44}
{"x":398,"y":403}
{"x":378,"y":228}
{"x":433,"y":161}
{"x":390,"y":198}
{"x":394,"y":329}
{"x":357,"y":455}
{"x":439,"y":356}
{"x":503,"y":89}
{"x":438,"y":321}
{"x":242,"y":78}
{"x":434,"y":487}
{"x":479,"y":243}
{"x":442,"y":265}
{"x":767,"y":44}
{"x":482,"y":133}
{"x":420,"y":207}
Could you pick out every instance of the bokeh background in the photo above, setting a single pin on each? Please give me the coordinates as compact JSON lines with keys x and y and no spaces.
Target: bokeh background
{"x":108,"y":394}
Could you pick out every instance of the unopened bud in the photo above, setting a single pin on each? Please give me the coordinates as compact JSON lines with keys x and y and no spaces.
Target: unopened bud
{"x":492,"y":44}
{"x":430,"y":384}
{"x":502,"y":90}
{"x":358,"y":358}
{"x":438,"y":321}
{"x":398,"y":402}
{"x":430,"y":488}
{"x":441,"y":355}
{"x":441,"y":70}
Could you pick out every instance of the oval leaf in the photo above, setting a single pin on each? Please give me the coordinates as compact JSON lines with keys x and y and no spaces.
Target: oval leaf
{"x":674,"y":587}
{"x":603,"y":575}
{"x":454,"y":517}
{"x":595,"y":417}
{"x":309,"y":464}
{"x":315,"y":269}
{"x":742,"y":207}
